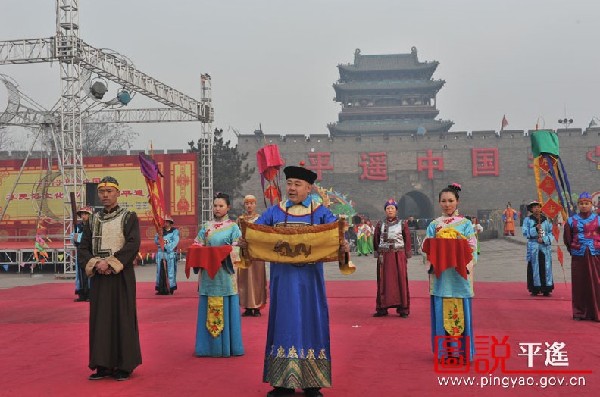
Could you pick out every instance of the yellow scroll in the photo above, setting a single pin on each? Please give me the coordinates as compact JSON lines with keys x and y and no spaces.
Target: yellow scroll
{"x":297,"y":244}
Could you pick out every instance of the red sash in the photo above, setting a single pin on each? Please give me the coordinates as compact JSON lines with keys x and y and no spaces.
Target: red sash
{"x":446,"y":253}
{"x":208,"y":258}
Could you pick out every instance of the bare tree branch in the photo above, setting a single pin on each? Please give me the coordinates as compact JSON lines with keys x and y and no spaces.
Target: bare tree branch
{"x":99,"y":139}
{"x":6,"y":139}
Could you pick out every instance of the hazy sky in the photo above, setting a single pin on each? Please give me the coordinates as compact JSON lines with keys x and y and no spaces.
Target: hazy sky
{"x":274,"y":61}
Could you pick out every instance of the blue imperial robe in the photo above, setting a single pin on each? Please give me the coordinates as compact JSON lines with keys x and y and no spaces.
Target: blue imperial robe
{"x":82,"y":282}
{"x":171,"y":240}
{"x":539,"y":255}
{"x":297,"y":352}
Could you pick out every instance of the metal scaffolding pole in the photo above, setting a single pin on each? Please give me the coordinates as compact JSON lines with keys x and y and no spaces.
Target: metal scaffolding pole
{"x":67,"y":49}
{"x":206,"y":159}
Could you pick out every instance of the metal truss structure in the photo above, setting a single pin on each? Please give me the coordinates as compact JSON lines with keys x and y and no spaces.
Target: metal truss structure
{"x":29,"y":117}
{"x":78,"y":61}
{"x":206,"y":157}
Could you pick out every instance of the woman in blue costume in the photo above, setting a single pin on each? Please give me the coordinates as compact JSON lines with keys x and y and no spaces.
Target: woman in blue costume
{"x":297,"y":352}
{"x":537,"y":229}
{"x":451,"y":293}
{"x":219,"y":330}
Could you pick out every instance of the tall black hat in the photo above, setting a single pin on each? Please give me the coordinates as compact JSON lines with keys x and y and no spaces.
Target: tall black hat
{"x":293,"y":171}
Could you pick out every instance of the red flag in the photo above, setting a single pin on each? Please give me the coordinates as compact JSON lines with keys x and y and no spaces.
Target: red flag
{"x":504,"y":123}
{"x":561,"y":256}
{"x":153,"y":176}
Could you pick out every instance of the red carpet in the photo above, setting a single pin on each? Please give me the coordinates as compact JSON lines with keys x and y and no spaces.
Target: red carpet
{"x":44,"y":344}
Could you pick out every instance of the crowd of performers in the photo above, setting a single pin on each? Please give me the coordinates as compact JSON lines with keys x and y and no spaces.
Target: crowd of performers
{"x":297,"y":351}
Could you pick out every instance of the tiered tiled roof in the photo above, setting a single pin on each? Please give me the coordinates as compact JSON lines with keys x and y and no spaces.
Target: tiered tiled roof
{"x":404,"y":127}
{"x":391,"y":85}
{"x":388,"y":63}
{"x":392,"y":94}
{"x":381,"y":112}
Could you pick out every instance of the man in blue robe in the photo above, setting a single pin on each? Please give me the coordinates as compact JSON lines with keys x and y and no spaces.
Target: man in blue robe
{"x":297,"y":353}
{"x":538,"y":231}
{"x":82,"y":282}
{"x":171,"y":240}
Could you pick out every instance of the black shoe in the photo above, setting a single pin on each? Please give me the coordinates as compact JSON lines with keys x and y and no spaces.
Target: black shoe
{"x":256,"y":313}
{"x":100,"y":373}
{"x":404,"y":315}
{"x":380,"y":313}
{"x":313,"y":392}
{"x":546,"y":294}
{"x":248,"y":313}
{"x":281,"y":391}
{"x":80,"y":299}
{"x":122,"y":375}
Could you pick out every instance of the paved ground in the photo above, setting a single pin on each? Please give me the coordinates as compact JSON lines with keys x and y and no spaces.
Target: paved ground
{"x":501,"y":259}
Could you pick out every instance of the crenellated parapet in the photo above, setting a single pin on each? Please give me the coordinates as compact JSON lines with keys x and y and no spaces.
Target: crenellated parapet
{"x":571,"y":133}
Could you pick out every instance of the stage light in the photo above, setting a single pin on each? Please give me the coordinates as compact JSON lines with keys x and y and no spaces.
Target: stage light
{"x":98,"y":89}
{"x":124,"y":97}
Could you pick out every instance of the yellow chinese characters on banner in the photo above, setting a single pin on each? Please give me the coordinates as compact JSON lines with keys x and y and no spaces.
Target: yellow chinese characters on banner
{"x":39,"y":196}
{"x":42,"y":191}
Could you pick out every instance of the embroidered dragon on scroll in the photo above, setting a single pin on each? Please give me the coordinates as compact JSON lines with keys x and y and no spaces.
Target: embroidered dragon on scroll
{"x":284,"y":248}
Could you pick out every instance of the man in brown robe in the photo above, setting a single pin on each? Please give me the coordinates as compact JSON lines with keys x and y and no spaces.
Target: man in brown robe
{"x":252,"y":281}
{"x":110,"y":243}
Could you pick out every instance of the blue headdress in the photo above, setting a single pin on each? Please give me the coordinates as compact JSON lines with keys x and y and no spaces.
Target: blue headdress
{"x":390,"y":202}
{"x":585,"y":196}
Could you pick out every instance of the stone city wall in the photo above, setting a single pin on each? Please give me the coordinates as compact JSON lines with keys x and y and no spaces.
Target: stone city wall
{"x":371,"y":169}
